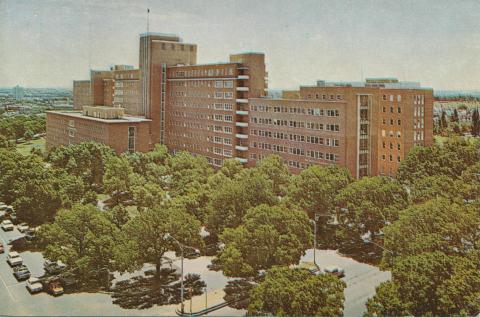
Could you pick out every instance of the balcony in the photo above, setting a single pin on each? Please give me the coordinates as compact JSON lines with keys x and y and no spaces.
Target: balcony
{"x":241,"y":148}
{"x":241,"y":160}
{"x":242,"y":88}
{"x":241,"y":124}
{"x":241,"y":136}
{"x":242,"y":100}
{"x":243,"y":77}
{"x":242,"y":112}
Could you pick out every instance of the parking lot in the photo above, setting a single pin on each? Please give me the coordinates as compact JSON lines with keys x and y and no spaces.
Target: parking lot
{"x":361,"y":281}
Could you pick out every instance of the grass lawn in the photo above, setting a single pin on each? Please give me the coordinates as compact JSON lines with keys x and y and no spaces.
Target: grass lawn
{"x":26,"y":147}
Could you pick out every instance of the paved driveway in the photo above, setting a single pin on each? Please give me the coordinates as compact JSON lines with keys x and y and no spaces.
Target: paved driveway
{"x":361,"y":280}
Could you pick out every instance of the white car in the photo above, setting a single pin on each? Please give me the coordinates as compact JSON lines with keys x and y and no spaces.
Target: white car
{"x":14,"y":259}
{"x":23,"y":227}
{"x":7,"y":225}
{"x":334,"y":270}
{"x":33,"y":285}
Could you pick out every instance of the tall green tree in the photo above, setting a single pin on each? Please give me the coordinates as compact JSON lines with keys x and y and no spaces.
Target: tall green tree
{"x":371,"y":204}
{"x":119,"y":178}
{"x":83,"y":238}
{"x":475,"y":123}
{"x":275,"y":170}
{"x":229,"y":202}
{"x":86,"y":160}
{"x":297,"y":292}
{"x":429,"y":284}
{"x":144,"y":238}
{"x":186,"y":170}
{"x":449,"y":159}
{"x":436,"y":225}
{"x":315,"y":188}
{"x":268,"y":236}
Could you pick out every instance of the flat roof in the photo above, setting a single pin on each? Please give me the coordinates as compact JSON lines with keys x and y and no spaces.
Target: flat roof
{"x":206,"y":64}
{"x":80,"y":115}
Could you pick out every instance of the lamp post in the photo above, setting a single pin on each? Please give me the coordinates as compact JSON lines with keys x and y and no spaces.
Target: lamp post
{"x":167,"y":236}
{"x":317,"y":216}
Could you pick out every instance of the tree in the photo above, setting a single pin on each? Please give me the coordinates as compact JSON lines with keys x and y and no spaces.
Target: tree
{"x":83,"y":238}
{"x":437,"y":225}
{"x":275,"y":170}
{"x":185,"y":169}
{"x":449,"y":159}
{"x":86,"y":160}
{"x":475,"y":123}
{"x":431,"y":187}
{"x":455,"y":116}
{"x":443,"y":122}
{"x":229,"y":203}
{"x":269,"y":235}
{"x":28,"y":135}
{"x":372,"y":203}
{"x":315,"y":188}
{"x":119,"y":178}
{"x":429,"y":284}
{"x":118,"y":215}
{"x":144,"y":237}
{"x":297,"y":292}
{"x":148,"y":195}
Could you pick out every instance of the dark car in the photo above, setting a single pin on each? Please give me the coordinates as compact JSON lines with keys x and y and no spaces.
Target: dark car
{"x":30,"y":235}
{"x":21,"y":273}
{"x":2,"y":249}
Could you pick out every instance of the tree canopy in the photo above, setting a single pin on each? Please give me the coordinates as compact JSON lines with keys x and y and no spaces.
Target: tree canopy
{"x":297,"y":292}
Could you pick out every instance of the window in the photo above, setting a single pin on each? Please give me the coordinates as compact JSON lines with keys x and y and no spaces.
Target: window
{"x":391,"y":121}
{"x":228,"y":118}
{"x":383,"y":144}
{"x":399,"y":122}
{"x":227,"y":141}
{"x":228,"y":106}
{"x":399,"y":134}
{"x":384,"y":97}
{"x":218,"y":84}
{"x":131,"y":139}
{"x":384,"y":109}
{"x":391,"y":97}
{"x":398,"y":159}
{"x":391,"y":158}
{"x":398,"y":146}
{"x":383,"y":157}
{"x":391,"y":109}
{"x":227,"y":153}
{"x":217,"y":139}
{"x":228,"y":130}
{"x":228,"y":95}
{"x":391,"y":146}
{"x":228,"y":84}
{"x":218,"y":117}
{"x":218,"y":95}
{"x":399,"y":110}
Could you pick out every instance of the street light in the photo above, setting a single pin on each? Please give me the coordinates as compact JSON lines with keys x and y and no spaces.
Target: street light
{"x":317,"y":216}
{"x":168,"y":236}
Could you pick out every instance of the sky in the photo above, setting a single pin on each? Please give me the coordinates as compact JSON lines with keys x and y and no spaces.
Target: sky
{"x":46,"y":43}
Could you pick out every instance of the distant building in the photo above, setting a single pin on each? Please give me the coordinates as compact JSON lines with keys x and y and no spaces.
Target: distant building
{"x":222,"y":111}
{"x":18,"y":92}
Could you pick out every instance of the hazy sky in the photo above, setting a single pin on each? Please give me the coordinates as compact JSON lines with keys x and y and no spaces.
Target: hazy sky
{"x":46,"y":43}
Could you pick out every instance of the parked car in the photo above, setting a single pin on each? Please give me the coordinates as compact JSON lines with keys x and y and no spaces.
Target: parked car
{"x":7,"y":225}
{"x":14,"y":259}
{"x":335,"y":270}
{"x":13,"y":217}
{"x":53,"y":286}
{"x":9,"y":210}
{"x":52,"y":267}
{"x":3,"y":207}
{"x":34,"y":285}
{"x":3,"y":215}
{"x":23,"y":227}
{"x":30,"y":235}
{"x":2,"y":249}
{"x":21,"y":272}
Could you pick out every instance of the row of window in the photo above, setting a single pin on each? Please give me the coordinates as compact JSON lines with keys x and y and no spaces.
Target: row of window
{"x":215,"y":161}
{"x":391,"y":134}
{"x":220,"y":140}
{"x":295,"y":151}
{"x":220,"y":151}
{"x":296,"y":110}
{"x":384,"y":145}
{"x":325,"y":97}
{"x":222,"y":129}
{"x":296,"y":124}
{"x":223,"y":95}
{"x":418,"y":111}
{"x":399,"y":109}
{"x":392,"y":121}
{"x":204,"y":72}
{"x":390,"y":158}
{"x":296,"y":137}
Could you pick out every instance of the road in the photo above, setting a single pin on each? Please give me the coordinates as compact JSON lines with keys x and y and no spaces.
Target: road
{"x":361,"y":280}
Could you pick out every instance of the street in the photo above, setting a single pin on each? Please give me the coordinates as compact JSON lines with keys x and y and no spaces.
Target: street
{"x":361,"y":280}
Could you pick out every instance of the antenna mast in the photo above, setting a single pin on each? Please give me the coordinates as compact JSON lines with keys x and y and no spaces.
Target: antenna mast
{"x":148,"y":18}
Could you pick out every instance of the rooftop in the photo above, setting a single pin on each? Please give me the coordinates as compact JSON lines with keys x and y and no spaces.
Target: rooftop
{"x":163,"y":36}
{"x":79,"y":115}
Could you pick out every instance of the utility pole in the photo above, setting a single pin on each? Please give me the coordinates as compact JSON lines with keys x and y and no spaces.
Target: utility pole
{"x":316,"y":217}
